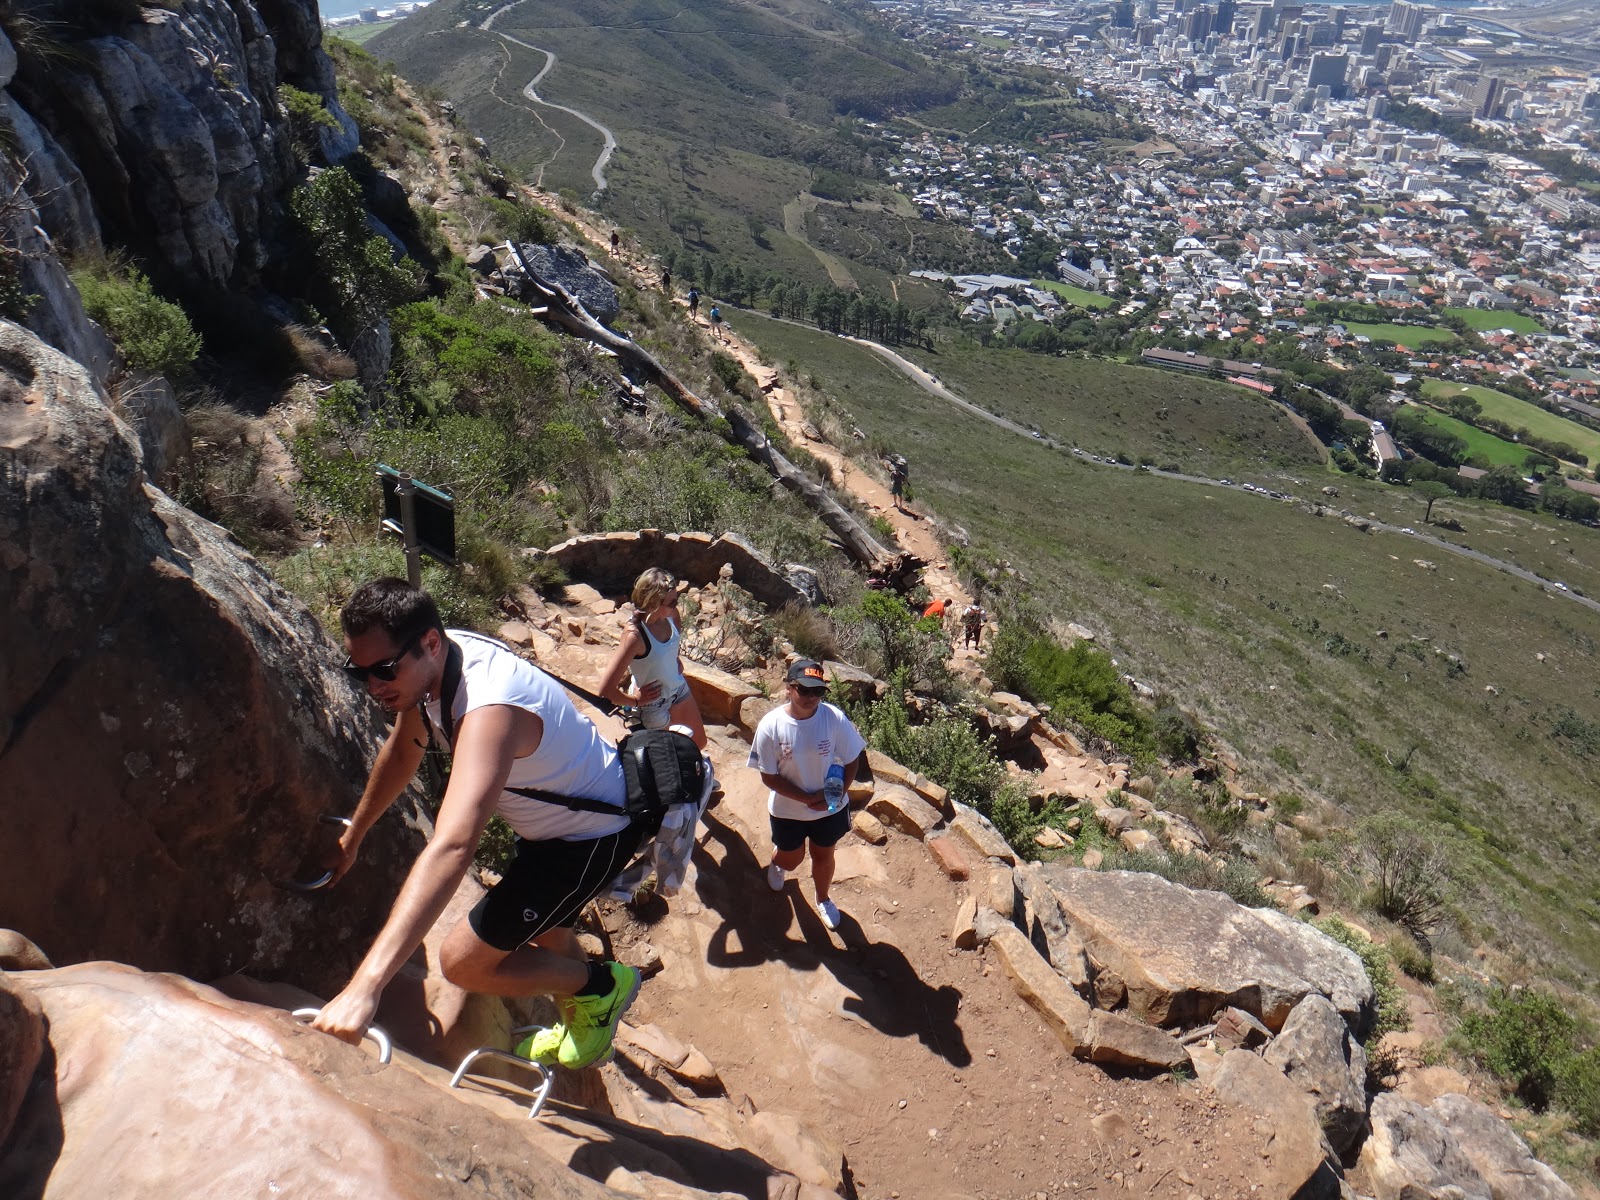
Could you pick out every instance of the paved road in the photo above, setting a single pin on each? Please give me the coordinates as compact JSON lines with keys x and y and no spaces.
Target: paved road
{"x":930,"y":383}
{"x":598,"y":171}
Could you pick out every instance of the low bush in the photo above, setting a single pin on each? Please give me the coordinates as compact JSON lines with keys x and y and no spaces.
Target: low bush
{"x":153,"y":334}
{"x":808,"y":631}
{"x":1235,"y":879}
{"x":1077,"y":682}
{"x":1411,"y":958}
{"x":1527,"y":1038}
{"x":1393,"y":1016}
{"x":1410,"y":872}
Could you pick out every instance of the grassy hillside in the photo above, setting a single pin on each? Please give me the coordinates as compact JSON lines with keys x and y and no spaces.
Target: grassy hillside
{"x":1520,"y":414}
{"x":724,"y":112}
{"x":1149,"y":415}
{"x":1323,"y":654}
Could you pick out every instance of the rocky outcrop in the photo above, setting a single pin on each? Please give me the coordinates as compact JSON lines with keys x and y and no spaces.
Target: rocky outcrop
{"x":1183,"y":955}
{"x":174,"y":722}
{"x":1411,"y":1155}
{"x":164,"y":132}
{"x":571,"y":269}
{"x":1318,"y":1054}
{"x":612,"y":561}
{"x":231,"y":1095}
{"x":1500,"y":1157}
{"x":1295,"y":1162}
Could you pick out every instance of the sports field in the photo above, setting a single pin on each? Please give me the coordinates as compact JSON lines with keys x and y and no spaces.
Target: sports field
{"x":1520,"y":414}
{"x":1413,"y":337}
{"x":1075,"y":295}
{"x":1496,"y":318}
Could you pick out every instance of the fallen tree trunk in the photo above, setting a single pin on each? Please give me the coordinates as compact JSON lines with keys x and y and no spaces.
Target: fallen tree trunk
{"x":565,"y":310}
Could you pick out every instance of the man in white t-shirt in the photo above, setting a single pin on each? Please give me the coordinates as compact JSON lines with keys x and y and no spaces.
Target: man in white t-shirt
{"x":507,"y":725}
{"x":793,"y":748}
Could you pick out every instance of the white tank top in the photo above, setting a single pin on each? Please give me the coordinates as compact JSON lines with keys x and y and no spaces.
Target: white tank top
{"x":659,"y":664}
{"x":573,"y":758}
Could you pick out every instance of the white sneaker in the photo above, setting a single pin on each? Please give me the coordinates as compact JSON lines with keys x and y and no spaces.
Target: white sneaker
{"x":775,"y":877}
{"x":829,"y":912}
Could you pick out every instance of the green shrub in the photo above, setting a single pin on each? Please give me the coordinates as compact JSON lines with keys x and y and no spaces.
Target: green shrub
{"x":1525,"y":1037}
{"x":1177,"y":735}
{"x":899,"y":639}
{"x":1078,"y":682}
{"x":307,"y":114}
{"x":808,"y":631}
{"x":1392,"y":1013}
{"x":153,"y":334}
{"x":1578,"y":1090}
{"x":1411,"y":958}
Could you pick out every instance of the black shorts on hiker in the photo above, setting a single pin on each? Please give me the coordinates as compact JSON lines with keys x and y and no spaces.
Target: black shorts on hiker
{"x":789,"y":834}
{"x":547,"y":885}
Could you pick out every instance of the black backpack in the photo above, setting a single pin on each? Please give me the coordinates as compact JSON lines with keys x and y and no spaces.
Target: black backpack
{"x":660,"y":767}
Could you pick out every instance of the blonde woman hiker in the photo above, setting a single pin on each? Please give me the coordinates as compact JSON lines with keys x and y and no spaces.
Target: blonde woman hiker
{"x":649,"y":650}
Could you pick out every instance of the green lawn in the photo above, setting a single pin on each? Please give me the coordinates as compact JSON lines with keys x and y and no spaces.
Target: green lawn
{"x":1075,"y":295}
{"x":1520,"y":414}
{"x":1413,"y":337}
{"x":1495,"y":318}
{"x":1496,"y":451}
{"x":1265,"y":621}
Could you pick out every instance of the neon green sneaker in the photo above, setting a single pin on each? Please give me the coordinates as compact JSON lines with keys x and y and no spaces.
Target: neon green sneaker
{"x":593,"y":1020}
{"x":541,"y":1045}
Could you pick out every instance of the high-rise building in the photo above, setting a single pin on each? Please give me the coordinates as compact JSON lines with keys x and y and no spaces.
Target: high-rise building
{"x":1406,"y":19}
{"x":1261,"y":24}
{"x":1196,"y":25}
{"x":1122,"y":15}
{"x":1224,"y":23}
{"x":1328,"y":70}
{"x":1486,"y":97}
{"x":1377,"y":106}
{"x":1148,"y":9}
{"x":1371,"y":38}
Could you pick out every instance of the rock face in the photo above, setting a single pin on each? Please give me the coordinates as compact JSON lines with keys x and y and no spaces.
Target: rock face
{"x":1316,"y":1051}
{"x":164,"y":132}
{"x":231,"y":1095}
{"x":1295,"y":1162}
{"x":21,"y":1045}
{"x":1496,"y":1153}
{"x":173,"y":720}
{"x":1411,"y":1155}
{"x":1183,"y":955}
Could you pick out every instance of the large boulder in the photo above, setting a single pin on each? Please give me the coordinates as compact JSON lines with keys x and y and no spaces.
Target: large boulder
{"x":157,"y":1087}
{"x":1497,"y":1153}
{"x":21,"y":1046}
{"x":1412,"y":1155}
{"x":1317,"y":1052}
{"x":612,"y":561}
{"x":1185,"y":954}
{"x":571,"y":269}
{"x":1295,"y":1162}
{"x":172,"y":722}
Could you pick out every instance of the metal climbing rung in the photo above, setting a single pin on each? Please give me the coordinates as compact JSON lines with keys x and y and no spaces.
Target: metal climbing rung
{"x":372,"y":1034}
{"x":323,"y":880}
{"x":540,"y":1093}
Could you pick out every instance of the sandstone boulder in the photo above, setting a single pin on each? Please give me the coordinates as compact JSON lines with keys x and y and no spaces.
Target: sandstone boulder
{"x":1412,"y":1155}
{"x":22,"y":1043}
{"x":612,"y":561}
{"x":856,"y":684}
{"x":980,"y":835}
{"x":1047,"y":928}
{"x":1186,"y":954}
{"x":230,"y":1095}
{"x":174,"y":716}
{"x":718,"y":694}
{"x":902,"y":809}
{"x":1295,"y":1161}
{"x":1318,"y":1054}
{"x":1499,"y":1156}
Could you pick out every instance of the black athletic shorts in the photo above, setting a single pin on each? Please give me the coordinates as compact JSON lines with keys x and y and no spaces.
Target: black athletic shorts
{"x":547,"y":885}
{"x":790,"y":834}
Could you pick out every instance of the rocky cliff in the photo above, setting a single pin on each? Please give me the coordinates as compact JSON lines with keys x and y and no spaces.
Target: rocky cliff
{"x":154,"y":128}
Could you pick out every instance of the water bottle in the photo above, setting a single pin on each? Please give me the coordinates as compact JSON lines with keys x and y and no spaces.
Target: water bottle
{"x":833,"y":788}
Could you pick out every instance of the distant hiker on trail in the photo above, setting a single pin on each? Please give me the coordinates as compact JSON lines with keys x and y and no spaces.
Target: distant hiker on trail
{"x":649,"y":649}
{"x":972,"y":619}
{"x":616,"y":243}
{"x":936,"y":609}
{"x":666,"y":282}
{"x":806,"y":752}
{"x":715,"y":316}
{"x":508,"y":725}
{"x":694,"y":302}
{"x":898,"y":470}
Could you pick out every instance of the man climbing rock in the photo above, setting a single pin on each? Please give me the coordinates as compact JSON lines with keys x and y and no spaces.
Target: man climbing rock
{"x":507,"y":726}
{"x":794,"y":748}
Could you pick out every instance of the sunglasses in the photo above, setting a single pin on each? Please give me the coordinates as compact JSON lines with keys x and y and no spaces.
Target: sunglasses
{"x":388,"y":668}
{"x":811,"y":691}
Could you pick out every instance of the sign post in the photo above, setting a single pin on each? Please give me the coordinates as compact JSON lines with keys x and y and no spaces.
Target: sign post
{"x":423,"y":517}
